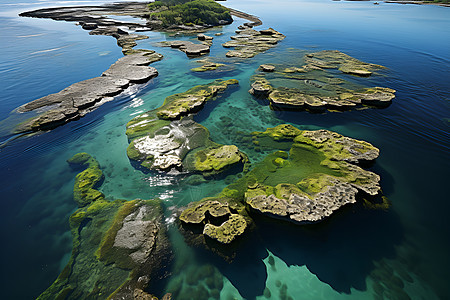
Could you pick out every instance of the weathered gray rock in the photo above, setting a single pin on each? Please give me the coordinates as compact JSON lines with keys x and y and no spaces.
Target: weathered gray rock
{"x":267,"y":68}
{"x":84,"y":96}
{"x":138,"y":234}
{"x":188,"y":47}
{"x":203,"y":37}
{"x":300,"y":208}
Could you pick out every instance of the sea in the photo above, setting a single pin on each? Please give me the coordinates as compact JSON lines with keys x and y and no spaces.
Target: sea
{"x":358,"y":253}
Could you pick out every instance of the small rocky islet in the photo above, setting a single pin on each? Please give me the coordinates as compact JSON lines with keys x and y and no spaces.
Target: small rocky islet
{"x":118,"y":246}
{"x":168,"y":138}
{"x":310,"y":175}
{"x":312,"y":86}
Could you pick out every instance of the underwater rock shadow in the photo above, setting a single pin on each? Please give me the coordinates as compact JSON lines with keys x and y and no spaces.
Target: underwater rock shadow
{"x":340,"y":251}
{"x":209,"y":106}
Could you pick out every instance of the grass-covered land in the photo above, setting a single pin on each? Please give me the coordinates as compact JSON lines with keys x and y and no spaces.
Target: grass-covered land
{"x":186,"y":12}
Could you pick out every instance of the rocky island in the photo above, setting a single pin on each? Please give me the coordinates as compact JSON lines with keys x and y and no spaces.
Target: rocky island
{"x":167,"y":138}
{"x":309,"y":176}
{"x":312,"y":85}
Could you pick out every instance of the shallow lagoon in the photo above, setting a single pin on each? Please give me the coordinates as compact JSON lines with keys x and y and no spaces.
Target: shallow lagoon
{"x":335,"y":259}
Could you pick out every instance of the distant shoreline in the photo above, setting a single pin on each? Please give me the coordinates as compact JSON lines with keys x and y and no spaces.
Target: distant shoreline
{"x":407,"y":2}
{"x":418,"y":2}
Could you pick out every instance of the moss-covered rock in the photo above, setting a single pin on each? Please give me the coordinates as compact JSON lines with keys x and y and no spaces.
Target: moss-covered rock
{"x":334,"y":59}
{"x":207,"y":66}
{"x":228,"y":230}
{"x":221,"y":218}
{"x":117,"y":247}
{"x":312,"y":87}
{"x":249,"y":42}
{"x":215,"y":160}
{"x":84,"y":192}
{"x":313,"y":174}
{"x":192,"y":100}
{"x":164,"y":139}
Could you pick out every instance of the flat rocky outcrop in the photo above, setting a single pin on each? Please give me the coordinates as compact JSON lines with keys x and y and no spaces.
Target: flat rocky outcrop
{"x":82,"y":97}
{"x":249,"y":42}
{"x":118,"y":246}
{"x":96,"y":19}
{"x":188,"y":47}
{"x":167,"y":138}
{"x":318,"y":89}
{"x":315,"y":174}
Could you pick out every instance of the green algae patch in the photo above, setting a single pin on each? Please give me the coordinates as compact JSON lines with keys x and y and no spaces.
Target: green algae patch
{"x":167,"y":138}
{"x":84,"y":191}
{"x":314,"y":174}
{"x":228,"y":230}
{"x":192,"y":100}
{"x":215,"y":160}
{"x":114,"y":244}
{"x":144,"y":124}
{"x":312,"y":84}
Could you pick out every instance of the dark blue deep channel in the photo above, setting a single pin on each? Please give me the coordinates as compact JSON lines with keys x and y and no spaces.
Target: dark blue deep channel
{"x":336,"y":259}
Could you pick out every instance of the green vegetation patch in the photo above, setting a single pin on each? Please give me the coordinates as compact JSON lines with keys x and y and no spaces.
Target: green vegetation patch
{"x":84,"y":192}
{"x":164,"y":138}
{"x":113,"y":245}
{"x":313,"y":174}
{"x":185,"y":12}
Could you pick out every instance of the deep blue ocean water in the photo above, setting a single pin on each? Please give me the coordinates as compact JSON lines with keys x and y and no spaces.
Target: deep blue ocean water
{"x":332,"y":260}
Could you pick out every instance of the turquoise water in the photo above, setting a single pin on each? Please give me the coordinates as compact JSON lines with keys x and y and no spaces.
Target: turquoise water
{"x":341,"y":258}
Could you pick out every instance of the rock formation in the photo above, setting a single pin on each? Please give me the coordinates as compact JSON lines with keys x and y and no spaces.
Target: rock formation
{"x":316,"y":89}
{"x":167,"y":138}
{"x":310,"y":175}
{"x":118,"y":246}
{"x":83,"y":97}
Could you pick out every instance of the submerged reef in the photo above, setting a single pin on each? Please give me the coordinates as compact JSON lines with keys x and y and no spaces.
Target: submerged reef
{"x":167,"y":138}
{"x":311,"y":86}
{"x":249,"y":42}
{"x":310,"y":175}
{"x":85,"y":96}
{"x":117,"y":245}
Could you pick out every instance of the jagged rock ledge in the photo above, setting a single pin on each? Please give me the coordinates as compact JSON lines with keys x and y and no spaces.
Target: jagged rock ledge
{"x":83,"y":97}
